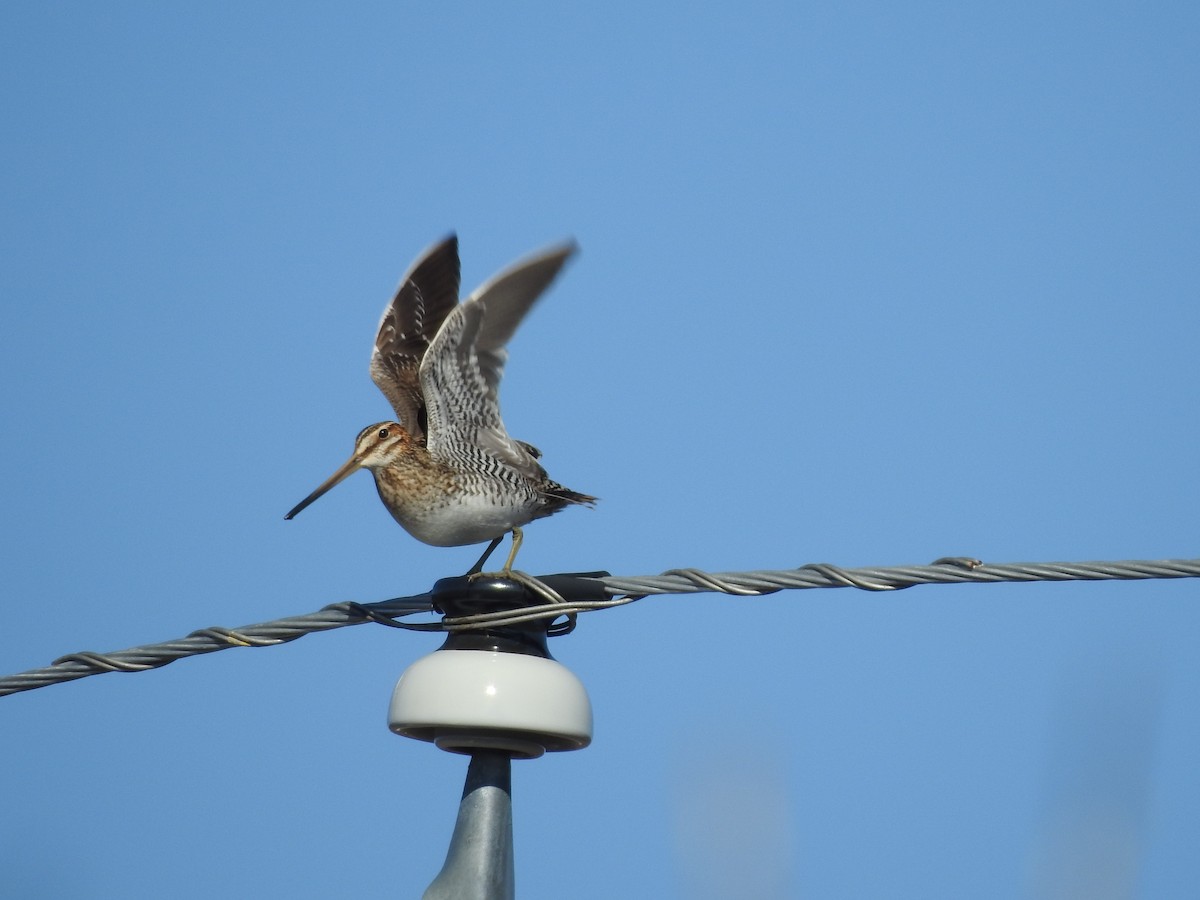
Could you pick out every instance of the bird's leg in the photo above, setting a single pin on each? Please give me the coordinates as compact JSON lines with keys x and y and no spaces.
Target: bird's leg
{"x":507,"y":572}
{"x":517,"y":537}
{"x":539,"y":589}
{"x":478,"y":567}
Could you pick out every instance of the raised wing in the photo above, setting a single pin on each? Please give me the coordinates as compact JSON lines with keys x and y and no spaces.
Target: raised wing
{"x":460,"y":374}
{"x":426,"y":295}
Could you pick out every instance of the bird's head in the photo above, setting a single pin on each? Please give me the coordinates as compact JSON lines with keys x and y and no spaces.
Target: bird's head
{"x":376,"y":447}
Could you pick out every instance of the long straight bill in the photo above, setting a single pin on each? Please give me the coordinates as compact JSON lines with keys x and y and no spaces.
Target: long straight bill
{"x":351,"y":466}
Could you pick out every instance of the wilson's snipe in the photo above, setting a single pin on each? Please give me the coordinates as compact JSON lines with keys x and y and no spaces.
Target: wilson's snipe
{"x":447,"y":470}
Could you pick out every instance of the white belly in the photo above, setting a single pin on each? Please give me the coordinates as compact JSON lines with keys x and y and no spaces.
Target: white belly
{"x":466,"y":519}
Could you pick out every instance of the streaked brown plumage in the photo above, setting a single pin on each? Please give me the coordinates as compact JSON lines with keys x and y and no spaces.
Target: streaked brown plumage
{"x":447,"y":470}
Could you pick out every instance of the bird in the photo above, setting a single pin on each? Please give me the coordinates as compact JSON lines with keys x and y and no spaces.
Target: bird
{"x":446,"y":468}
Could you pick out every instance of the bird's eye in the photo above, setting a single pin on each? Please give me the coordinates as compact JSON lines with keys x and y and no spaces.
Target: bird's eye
{"x":383,"y":434}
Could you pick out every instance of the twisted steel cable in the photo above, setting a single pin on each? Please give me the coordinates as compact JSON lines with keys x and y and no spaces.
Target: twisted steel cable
{"x":562,"y":602}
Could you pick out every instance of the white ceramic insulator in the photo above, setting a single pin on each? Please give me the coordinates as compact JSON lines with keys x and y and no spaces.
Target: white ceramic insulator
{"x":465,"y":700}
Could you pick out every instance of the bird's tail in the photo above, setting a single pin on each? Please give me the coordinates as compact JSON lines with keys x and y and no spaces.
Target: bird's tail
{"x":559,"y":497}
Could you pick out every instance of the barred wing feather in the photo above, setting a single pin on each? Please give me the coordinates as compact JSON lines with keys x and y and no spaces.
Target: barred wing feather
{"x":426,"y":295}
{"x":461,"y":371}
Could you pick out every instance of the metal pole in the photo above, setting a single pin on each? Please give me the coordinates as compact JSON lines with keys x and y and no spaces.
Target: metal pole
{"x":479,"y":863}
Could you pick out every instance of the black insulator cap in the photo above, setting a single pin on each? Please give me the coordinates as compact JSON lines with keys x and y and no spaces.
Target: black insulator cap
{"x":463,"y":596}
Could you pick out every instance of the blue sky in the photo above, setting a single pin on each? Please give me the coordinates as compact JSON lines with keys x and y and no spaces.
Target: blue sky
{"x":862,"y":283}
